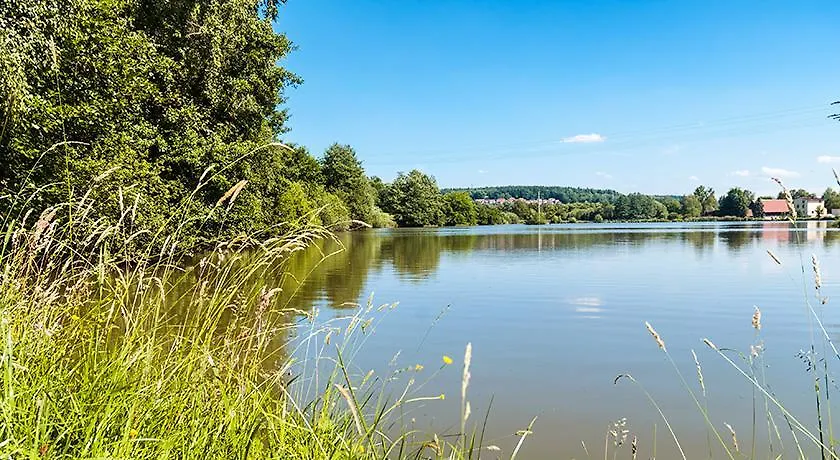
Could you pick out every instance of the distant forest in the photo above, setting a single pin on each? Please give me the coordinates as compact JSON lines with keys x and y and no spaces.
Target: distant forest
{"x":529,"y":192}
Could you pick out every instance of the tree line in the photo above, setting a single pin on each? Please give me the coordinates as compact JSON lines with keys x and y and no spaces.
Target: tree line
{"x":176,"y":111}
{"x":532,"y":192}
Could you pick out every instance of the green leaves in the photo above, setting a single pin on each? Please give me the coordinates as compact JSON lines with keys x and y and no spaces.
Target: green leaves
{"x":736,"y":202}
{"x":414,"y":200}
{"x":344,"y":176}
{"x":158,"y":90}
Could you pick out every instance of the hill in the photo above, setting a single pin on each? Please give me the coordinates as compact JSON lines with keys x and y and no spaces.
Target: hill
{"x":529,"y":192}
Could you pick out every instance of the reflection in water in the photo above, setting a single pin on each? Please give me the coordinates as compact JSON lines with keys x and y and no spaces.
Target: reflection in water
{"x":543,"y":304}
{"x":415,"y":254}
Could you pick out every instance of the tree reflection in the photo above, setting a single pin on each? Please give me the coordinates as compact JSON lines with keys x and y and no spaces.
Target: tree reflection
{"x":737,"y":239}
{"x":701,"y":241}
{"x":337,"y":272}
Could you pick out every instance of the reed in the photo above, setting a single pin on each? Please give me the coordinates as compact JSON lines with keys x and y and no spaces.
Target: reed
{"x":113,"y":350}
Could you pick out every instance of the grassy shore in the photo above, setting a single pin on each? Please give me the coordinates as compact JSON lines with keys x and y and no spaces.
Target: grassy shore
{"x":115,"y":351}
{"x":105,"y":353}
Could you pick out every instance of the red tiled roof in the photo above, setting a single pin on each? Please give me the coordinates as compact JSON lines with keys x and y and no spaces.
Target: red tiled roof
{"x":775,"y":206}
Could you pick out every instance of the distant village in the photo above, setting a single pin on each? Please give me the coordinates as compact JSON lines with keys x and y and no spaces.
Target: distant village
{"x":806,"y":207}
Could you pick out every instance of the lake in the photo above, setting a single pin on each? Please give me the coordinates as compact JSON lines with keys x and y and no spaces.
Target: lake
{"x":555,"y":313}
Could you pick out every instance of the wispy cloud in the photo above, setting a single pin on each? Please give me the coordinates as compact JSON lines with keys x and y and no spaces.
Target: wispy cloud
{"x":828,"y":159}
{"x":742,"y":172}
{"x":604,"y":175}
{"x":482,"y":171}
{"x":694,"y":178}
{"x":778,"y":172}
{"x":584,"y":139}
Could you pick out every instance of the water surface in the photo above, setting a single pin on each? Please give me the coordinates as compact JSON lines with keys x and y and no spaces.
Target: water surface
{"x":555,"y":313}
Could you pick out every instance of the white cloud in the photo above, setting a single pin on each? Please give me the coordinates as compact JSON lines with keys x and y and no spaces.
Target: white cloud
{"x":778,"y":172}
{"x":482,"y":171}
{"x":604,"y":175}
{"x":741,"y":172}
{"x":694,"y":178}
{"x":828,"y":159}
{"x":584,"y":139}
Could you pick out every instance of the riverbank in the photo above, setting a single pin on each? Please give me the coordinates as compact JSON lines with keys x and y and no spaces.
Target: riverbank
{"x":103,"y":359}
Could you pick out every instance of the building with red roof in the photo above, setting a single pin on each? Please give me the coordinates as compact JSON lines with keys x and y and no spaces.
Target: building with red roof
{"x":775,"y":208}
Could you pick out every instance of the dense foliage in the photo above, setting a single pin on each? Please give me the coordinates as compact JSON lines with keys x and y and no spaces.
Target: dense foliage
{"x":831,"y":198}
{"x":170,"y":106}
{"x":153,"y":93}
{"x":531,"y":192}
{"x":638,"y":206}
{"x":414,"y":200}
{"x":177,"y":109}
{"x":459,"y":209}
{"x":737,"y":202}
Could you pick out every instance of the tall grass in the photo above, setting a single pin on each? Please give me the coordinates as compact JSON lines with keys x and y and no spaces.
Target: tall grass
{"x":111,"y":349}
{"x":812,"y":434}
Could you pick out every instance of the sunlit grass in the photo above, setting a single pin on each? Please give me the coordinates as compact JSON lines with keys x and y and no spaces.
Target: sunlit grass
{"x":110,"y":350}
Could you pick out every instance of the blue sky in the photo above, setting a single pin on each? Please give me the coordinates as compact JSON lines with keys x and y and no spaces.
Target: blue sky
{"x":647,"y":96}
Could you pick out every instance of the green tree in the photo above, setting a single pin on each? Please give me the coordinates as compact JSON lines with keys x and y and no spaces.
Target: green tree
{"x":706,"y":196}
{"x":691,"y":206}
{"x":414,"y":200}
{"x":489,"y":215}
{"x":153,"y":92}
{"x":672,"y":204}
{"x":378,"y":187}
{"x":819,"y":212}
{"x":299,"y":166}
{"x":636,"y":206}
{"x":736,"y":202}
{"x":345,"y":177}
{"x":459,"y":209}
{"x":798,"y":193}
{"x":757,"y":208}
{"x":293,"y":204}
{"x":831,"y":199}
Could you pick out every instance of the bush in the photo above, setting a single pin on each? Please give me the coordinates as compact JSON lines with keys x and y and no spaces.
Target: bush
{"x":511,"y":218}
{"x":381,"y":219}
{"x":332,"y":212}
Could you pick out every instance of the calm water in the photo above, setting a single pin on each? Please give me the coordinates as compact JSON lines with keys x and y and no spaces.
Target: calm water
{"x":554,"y":313}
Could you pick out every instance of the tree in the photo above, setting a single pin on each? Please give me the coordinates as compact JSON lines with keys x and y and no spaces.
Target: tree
{"x":299,"y":166}
{"x":637,"y":206}
{"x":414,"y":200}
{"x":708,"y":203}
{"x":798,"y":193}
{"x":672,"y":204}
{"x":819,"y":211}
{"x":691,"y":206}
{"x":459,"y":209}
{"x":378,"y":187}
{"x":757,"y":208}
{"x":736,"y":202}
{"x":345,"y":177}
{"x":155,"y":92}
{"x":293,"y":204}
{"x":831,"y":199}
{"x":490,"y":215}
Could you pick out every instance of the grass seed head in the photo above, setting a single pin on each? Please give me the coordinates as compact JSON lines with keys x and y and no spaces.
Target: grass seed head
{"x":734,"y":437}
{"x":815,"y":264}
{"x":656,"y":337}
